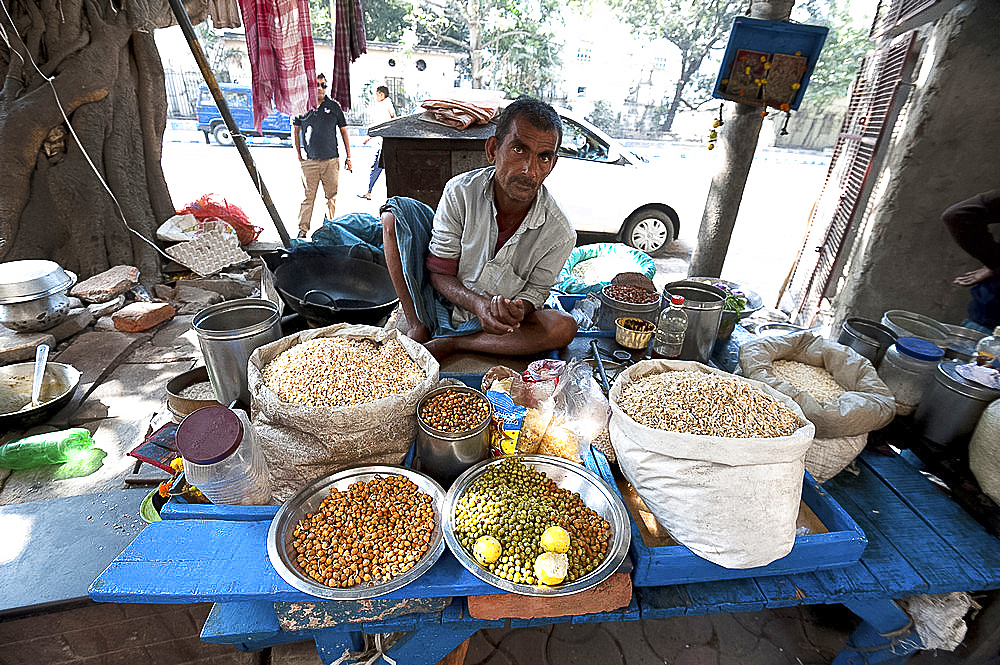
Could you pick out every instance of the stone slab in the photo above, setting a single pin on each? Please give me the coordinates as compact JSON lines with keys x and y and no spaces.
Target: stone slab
{"x":53,"y":548}
{"x":107,"y":285}
{"x":75,"y":323}
{"x":17,"y":347}
{"x":99,"y":309}
{"x":174,"y":340}
{"x":611,"y":594}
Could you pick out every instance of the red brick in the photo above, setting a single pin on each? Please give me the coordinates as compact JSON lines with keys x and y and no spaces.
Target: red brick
{"x":107,"y":285}
{"x":140,"y":316}
{"x":611,"y":594}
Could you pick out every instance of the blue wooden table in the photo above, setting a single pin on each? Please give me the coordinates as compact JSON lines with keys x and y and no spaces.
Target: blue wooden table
{"x":919,"y":541}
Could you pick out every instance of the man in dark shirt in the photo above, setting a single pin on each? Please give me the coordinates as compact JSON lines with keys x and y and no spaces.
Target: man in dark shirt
{"x":969,"y":221}
{"x":316,"y":131}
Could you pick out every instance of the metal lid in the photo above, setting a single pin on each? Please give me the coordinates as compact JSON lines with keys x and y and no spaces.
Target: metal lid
{"x":948,"y":376}
{"x":920,"y":349}
{"x":696,"y":295}
{"x":30,"y":279}
{"x":209,"y":435}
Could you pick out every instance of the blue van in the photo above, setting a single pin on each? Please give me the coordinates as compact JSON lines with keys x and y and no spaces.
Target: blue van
{"x":240,"y":103}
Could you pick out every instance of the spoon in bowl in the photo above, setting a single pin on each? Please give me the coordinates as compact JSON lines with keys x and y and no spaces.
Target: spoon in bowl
{"x":41,"y":357}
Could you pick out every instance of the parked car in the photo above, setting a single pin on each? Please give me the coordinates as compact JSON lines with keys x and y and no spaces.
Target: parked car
{"x":238,"y":99}
{"x":608,"y":190}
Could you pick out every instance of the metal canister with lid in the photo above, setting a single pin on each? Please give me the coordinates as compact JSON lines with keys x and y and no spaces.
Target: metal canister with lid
{"x":951,"y":405}
{"x":906,"y":369}
{"x":222,"y":456}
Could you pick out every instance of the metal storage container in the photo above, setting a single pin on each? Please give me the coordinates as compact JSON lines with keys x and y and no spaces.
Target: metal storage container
{"x":951,"y":405}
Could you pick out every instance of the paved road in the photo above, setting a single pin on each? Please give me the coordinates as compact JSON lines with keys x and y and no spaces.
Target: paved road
{"x":780,"y":192}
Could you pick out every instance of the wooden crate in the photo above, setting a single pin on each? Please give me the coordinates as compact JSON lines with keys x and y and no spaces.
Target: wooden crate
{"x":835,"y":540}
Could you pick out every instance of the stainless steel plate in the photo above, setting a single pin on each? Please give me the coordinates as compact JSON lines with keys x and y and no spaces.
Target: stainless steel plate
{"x":308,"y":499}
{"x":754,"y":301}
{"x":568,"y":475}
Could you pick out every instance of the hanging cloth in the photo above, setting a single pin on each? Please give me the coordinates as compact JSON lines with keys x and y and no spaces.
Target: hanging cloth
{"x":349,"y":43}
{"x":282,"y":57}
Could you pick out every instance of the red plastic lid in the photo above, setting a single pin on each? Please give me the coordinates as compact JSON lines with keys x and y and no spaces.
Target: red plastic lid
{"x":209,"y":435}
{"x":676,"y":300}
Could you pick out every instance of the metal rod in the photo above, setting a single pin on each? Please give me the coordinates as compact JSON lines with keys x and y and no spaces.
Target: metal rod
{"x":227,"y":117}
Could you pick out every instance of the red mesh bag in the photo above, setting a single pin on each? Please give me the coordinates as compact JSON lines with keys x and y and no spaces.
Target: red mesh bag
{"x":205,"y":208}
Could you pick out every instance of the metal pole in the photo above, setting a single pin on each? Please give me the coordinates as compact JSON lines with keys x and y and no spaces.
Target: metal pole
{"x":227,"y":117}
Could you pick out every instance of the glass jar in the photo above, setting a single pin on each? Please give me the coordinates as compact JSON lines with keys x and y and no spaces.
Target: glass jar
{"x":907,"y":368}
{"x":222,"y":456}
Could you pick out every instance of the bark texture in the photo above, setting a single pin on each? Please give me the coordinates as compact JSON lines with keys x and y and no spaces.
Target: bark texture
{"x":96,"y":62}
{"x":738,"y":142}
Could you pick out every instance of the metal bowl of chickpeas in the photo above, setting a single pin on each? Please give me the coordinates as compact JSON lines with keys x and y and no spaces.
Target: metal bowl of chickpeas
{"x":453,"y":431}
{"x":536,"y":525}
{"x":358,"y":533}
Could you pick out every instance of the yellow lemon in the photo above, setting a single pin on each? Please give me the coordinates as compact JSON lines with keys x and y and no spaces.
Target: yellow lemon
{"x":486,"y":550}
{"x":555,"y":539}
{"x":550,"y":568}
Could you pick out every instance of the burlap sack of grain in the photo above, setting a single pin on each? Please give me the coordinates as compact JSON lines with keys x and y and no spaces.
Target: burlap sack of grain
{"x":303,"y":443}
{"x":732,"y":501}
{"x":842,"y":425}
{"x":984,"y":451}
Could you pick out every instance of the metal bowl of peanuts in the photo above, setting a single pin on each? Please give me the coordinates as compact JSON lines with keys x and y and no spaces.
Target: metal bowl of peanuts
{"x":453,"y":431}
{"x":515,"y":499}
{"x":358,"y":533}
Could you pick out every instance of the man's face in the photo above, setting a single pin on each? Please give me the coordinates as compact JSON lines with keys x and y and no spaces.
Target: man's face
{"x":320,"y":90}
{"x":380,"y":96}
{"x":523,"y":160}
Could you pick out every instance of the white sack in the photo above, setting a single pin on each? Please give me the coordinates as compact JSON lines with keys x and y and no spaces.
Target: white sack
{"x":867,"y":403}
{"x":731,"y":501}
{"x":828,"y":457}
{"x":303,"y":443}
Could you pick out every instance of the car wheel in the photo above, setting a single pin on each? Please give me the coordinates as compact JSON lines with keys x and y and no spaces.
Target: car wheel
{"x":649,"y":230}
{"x":222,"y":135}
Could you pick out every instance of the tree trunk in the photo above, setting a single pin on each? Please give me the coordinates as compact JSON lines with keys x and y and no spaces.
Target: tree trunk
{"x":668,"y":120}
{"x":738,"y":142}
{"x":108,"y":79}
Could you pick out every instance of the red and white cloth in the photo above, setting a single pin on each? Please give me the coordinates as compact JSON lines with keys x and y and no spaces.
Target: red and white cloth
{"x":282,"y":57}
{"x":349,"y":43}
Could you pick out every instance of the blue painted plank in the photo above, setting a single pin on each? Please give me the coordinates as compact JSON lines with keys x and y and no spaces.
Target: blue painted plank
{"x":430,"y":644}
{"x":181,"y":561}
{"x":180,"y":510}
{"x":244,"y":622}
{"x":964,"y":534}
{"x":662,"y":602}
{"x":331,"y":645}
{"x":724,"y":596}
{"x":926,"y":551}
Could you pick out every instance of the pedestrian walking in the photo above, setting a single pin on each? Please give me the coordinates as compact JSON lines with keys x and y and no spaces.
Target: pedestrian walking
{"x":382,"y":112}
{"x":316,"y":132}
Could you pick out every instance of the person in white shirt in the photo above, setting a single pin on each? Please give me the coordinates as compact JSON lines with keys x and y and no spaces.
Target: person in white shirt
{"x":473,"y":276}
{"x":383,"y":112}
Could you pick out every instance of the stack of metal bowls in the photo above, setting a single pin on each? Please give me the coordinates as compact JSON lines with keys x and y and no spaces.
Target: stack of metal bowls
{"x":33,"y":294}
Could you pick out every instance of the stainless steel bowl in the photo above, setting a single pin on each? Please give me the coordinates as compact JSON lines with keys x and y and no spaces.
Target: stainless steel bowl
{"x":31,"y":279}
{"x":35,"y":315}
{"x":962,"y":342}
{"x":58,"y":385}
{"x":279,"y":536}
{"x":568,"y":475}
{"x":911,"y":324}
{"x":446,"y":455}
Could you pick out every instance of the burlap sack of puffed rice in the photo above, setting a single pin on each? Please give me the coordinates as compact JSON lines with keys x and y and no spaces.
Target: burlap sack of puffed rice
{"x":304,"y":443}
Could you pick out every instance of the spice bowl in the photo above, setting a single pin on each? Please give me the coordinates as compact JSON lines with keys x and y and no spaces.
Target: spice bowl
{"x":633,"y":333}
{"x":179,"y":400}
{"x":280,"y":535}
{"x":449,"y":443}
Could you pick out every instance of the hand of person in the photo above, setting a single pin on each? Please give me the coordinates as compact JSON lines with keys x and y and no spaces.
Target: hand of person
{"x":974,"y":277}
{"x":347,"y":163}
{"x":508,"y":311}
{"x":494,"y":320}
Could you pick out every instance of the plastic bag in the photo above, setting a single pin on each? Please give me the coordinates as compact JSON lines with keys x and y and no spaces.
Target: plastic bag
{"x":617,"y":258}
{"x":867,"y":403}
{"x":580,"y":413}
{"x":184,"y":227}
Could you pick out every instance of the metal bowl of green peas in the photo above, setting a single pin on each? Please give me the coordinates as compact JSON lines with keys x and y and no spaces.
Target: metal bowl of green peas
{"x":514,"y":499}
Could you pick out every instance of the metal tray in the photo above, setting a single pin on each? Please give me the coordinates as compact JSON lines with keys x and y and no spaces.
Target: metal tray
{"x":595,"y":493}
{"x":279,"y":535}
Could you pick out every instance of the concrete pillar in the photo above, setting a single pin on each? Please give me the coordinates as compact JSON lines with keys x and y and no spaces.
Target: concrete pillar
{"x":945,"y":148}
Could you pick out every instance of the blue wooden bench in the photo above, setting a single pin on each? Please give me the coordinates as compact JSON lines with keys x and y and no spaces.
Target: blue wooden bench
{"x":919,"y":541}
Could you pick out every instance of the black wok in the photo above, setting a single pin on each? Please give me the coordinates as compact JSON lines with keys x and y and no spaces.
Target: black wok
{"x":328,"y":285}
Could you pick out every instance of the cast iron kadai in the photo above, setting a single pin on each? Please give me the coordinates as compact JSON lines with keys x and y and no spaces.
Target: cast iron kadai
{"x":327,"y":286}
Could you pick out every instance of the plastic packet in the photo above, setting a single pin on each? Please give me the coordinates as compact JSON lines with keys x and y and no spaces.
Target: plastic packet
{"x":580,"y":413}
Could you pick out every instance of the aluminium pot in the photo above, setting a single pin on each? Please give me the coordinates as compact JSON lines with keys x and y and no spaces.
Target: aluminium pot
{"x":33,"y":294}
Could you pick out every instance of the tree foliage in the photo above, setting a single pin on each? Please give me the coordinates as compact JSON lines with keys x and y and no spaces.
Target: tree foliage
{"x":843,"y":50}
{"x":385,"y":20}
{"x":695,"y":27}
{"x":507,"y":42}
